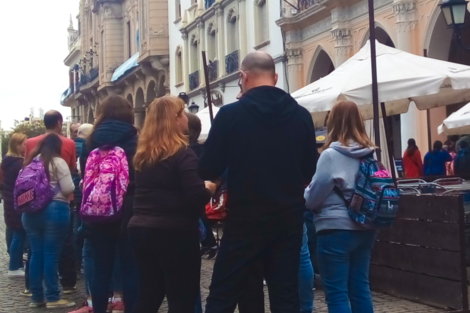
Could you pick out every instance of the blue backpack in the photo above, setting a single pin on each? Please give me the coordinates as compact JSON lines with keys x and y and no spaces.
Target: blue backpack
{"x":374,"y":204}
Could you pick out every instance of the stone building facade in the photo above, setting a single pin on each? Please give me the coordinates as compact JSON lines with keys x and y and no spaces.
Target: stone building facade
{"x":227,"y":30}
{"x":120,"y":47}
{"x":322,"y":34}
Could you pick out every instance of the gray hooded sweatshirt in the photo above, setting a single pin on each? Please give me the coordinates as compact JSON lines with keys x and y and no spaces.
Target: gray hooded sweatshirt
{"x":337,"y":166}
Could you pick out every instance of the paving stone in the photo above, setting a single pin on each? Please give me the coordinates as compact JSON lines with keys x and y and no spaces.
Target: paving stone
{"x":12,"y":302}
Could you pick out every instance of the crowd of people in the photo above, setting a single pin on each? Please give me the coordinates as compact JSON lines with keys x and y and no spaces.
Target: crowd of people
{"x":449,"y":159}
{"x":262,"y":147}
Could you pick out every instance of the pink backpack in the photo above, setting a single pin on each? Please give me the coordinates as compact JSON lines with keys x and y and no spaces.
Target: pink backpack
{"x":104,"y":186}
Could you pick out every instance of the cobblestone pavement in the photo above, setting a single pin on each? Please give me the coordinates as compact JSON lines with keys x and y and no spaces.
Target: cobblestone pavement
{"x":12,"y":302}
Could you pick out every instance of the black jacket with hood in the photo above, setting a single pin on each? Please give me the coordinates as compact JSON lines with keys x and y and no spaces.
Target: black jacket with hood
{"x":113,"y":133}
{"x":267,"y":143}
{"x":11,"y":166}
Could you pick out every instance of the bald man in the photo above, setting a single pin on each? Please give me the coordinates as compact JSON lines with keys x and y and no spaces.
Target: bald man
{"x":266,"y":141}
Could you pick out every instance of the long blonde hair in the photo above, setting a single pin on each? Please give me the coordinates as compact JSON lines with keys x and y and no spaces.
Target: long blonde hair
{"x":344,"y":124}
{"x":160,"y":137}
{"x":16,"y":139}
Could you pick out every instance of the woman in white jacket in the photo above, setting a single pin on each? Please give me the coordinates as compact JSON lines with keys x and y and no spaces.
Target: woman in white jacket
{"x":344,"y":247}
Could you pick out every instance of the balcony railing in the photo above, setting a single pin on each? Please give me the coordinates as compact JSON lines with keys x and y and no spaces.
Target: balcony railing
{"x":305,"y":4}
{"x":94,"y":73}
{"x":194,"y":80}
{"x":231,"y":62}
{"x":209,"y":3}
{"x":88,"y":78}
{"x":65,"y":95}
{"x":213,"y":68}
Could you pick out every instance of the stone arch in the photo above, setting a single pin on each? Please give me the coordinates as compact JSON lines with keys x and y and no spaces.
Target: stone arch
{"x":381,"y":35}
{"x":139,"y":109}
{"x":130,"y":99}
{"x":438,"y":37}
{"x":321,"y":65}
{"x":151,"y":92}
{"x":91,"y":117}
{"x":162,"y":88}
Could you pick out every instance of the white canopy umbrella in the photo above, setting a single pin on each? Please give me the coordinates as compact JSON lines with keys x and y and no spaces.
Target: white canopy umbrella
{"x":205,"y":118}
{"x":402,"y":78}
{"x":456,"y":124}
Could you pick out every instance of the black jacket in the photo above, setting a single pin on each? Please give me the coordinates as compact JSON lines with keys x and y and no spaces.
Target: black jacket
{"x":267,"y":143}
{"x":112,"y":133}
{"x":11,"y":166}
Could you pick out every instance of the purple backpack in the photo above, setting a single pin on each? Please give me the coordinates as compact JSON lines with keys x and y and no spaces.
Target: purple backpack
{"x":33,"y":191}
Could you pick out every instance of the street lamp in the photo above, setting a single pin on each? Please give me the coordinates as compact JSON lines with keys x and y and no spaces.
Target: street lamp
{"x":454,"y":12}
{"x":193,"y":108}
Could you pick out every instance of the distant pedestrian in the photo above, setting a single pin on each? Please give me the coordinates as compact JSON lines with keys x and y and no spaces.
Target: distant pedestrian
{"x":462,"y":160}
{"x":74,"y":130}
{"x":53,"y":121}
{"x":412,"y":160}
{"x":11,"y":166}
{"x":209,"y":244}
{"x":344,"y":247}
{"x":113,"y":128}
{"x":47,"y":229}
{"x":449,"y":146}
{"x":435,"y":160}
{"x":168,"y":203}
{"x":266,"y":141}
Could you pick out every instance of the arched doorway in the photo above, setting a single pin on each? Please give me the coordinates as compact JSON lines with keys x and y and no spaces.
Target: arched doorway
{"x":139,"y":110}
{"x":441,"y":46}
{"x":151,"y":95}
{"x":323,"y":65}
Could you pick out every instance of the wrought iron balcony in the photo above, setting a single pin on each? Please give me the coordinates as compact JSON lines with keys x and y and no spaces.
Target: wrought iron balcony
{"x":194,"y":80}
{"x":94,"y":73}
{"x":213,"y":68}
{"x":305,"y":4}
{"x":209,"y":3}
{"x":231,"y":62}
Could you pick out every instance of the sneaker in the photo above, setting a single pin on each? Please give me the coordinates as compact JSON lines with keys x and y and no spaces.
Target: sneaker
{"x":68,"y":290}
{"x":26,"y":293}
{"x":36,"y":304}
{"x":61,"y":304}
{"x":85,"y":309}
{"x":17,"y":273}
{"x":117,"y":307}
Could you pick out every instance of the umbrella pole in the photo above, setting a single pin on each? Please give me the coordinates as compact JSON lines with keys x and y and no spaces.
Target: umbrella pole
{"x":208,"y":87}
{"x":375,"y":91}
{"x":428,"y":115}
{"x":391,"y":159}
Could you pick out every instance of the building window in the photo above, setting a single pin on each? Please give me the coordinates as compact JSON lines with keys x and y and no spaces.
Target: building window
{"x":211,"y":43}
{"x":194,"y":54}
{"x":102,"y":51}
{"x":129,"y":41}
{"x":90,"y":22}
{"x":261,"y":21}
{"x":178,"y":8}
{"x":179,"y":66}
{"x":232,"y":32}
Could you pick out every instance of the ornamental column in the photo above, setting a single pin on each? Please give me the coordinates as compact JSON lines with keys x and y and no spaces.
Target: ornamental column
{"x":201,"y":47}
{"x":343,"y":45}
{"x":414,"y":122}
{"x":294,"y":68}
{"x":185,"y":60}
{"x":242,"y":37}
{"x":219,"y":11}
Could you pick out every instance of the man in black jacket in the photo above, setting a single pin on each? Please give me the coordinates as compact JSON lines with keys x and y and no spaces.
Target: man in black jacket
{"x":266,"y":141}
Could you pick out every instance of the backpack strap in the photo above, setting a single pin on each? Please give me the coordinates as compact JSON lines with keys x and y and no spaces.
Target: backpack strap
{"x":341,"y":195}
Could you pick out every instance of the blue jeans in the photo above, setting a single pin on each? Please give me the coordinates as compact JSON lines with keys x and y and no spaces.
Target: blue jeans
{"x":16,"y":250}
{"x":46,"y":233}
{"x":344,"y":261}
{"x":305,"y":277}
{"x":104,"y":248}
